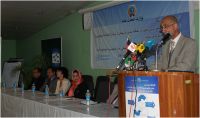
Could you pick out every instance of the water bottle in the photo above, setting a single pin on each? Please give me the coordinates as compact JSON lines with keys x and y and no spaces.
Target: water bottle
{"x":87,"y":96}
{"x":47,"y":91}
{"x":22,"y":88}
{"x":33,"y":88}
{"x":14,"y":86}
{"x":61,"y":93}
{"x":4,"y":85}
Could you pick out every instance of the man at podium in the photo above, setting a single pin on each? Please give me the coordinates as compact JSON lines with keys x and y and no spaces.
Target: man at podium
{"x":179,"y":52}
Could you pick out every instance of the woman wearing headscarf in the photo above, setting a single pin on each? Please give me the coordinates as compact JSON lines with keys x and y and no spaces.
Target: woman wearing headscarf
{"x":76,"y":81}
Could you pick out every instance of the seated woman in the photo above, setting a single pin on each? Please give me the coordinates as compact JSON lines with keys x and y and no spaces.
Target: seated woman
{"x":76,"y":81}
{"x":63,"y":83}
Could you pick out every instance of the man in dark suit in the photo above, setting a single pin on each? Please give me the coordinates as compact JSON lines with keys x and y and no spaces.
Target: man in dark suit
{"x":51,"y":80}
{"x":179,"y":53}
{"x":37,"y":79}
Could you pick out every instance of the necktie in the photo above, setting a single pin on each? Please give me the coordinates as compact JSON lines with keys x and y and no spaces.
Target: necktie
{"x":172,"y":44}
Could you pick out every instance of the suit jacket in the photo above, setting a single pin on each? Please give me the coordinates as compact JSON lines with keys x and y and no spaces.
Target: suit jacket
{"x":51,"y":84}
{"x":38,"y":83}
{"x":183,"y":57}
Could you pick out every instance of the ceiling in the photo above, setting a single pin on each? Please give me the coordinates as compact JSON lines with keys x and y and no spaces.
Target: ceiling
{"x":21,"y":19}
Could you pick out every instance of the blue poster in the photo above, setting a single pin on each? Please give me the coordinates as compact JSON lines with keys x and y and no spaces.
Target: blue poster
{"x":140,"y":20}
{"x":142,"y":96}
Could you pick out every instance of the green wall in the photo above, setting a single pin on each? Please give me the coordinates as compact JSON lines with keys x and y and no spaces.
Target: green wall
{"x":8,"y":49}
{"x":75,"y":45}
{"x":196,"y":22}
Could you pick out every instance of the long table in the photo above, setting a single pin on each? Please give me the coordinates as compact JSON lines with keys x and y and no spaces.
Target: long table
{"x":14,"y":103}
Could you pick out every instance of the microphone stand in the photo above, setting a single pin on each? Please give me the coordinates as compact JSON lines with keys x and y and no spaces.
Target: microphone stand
{"x":156,"y":58}
{"x":165,"y":38}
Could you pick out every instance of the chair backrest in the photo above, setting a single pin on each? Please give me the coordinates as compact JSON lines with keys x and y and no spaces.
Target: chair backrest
{"x":102,"y":88}
{"x":88,"y":81}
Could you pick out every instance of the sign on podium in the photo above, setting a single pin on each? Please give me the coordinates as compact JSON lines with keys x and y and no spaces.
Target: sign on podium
{"x":158,"y":94}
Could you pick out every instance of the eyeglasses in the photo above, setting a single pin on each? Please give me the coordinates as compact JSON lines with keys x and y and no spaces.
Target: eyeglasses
{"x":166,"y":26}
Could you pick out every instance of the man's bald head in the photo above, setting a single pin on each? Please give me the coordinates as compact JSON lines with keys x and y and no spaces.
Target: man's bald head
{"x":170,"y":18}
{"x":169,"y":24}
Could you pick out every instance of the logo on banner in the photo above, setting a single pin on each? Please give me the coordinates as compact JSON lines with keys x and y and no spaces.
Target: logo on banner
{"x":132,"y":10}
{"x":55,"y":57}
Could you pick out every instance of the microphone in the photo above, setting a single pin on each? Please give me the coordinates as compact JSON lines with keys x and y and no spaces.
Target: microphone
{"x":134,"y":57}
{"x":140,"y":48}
{"x":130,"y":48}
{"x":150,"y":43}
{"x":128,"y":42}
{"x":165,"y":39}
{"x":150,"y":47}
{"x":128,"y":62}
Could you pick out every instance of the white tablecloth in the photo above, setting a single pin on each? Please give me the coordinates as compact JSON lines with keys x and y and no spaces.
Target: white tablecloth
{"x":28,"y":105}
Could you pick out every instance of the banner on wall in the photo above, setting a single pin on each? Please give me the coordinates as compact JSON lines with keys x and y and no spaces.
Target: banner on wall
{"x":142,"y":97}
{"x":140,"y":20}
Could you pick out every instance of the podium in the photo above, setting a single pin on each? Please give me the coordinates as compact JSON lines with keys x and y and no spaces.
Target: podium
{"x":178,"y":92}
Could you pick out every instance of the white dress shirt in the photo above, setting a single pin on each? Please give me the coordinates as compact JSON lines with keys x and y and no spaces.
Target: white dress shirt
{"x":175,"y":40}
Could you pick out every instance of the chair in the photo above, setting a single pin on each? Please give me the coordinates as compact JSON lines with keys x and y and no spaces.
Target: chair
{"x":87,"y":84}
{"x":88,"y":80}
{"x":102,"y":88}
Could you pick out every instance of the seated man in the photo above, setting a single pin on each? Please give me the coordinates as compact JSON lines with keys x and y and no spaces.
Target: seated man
{"x":180,"y":52}
{"x":51,"y":80}
{"x":37,"y":79}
